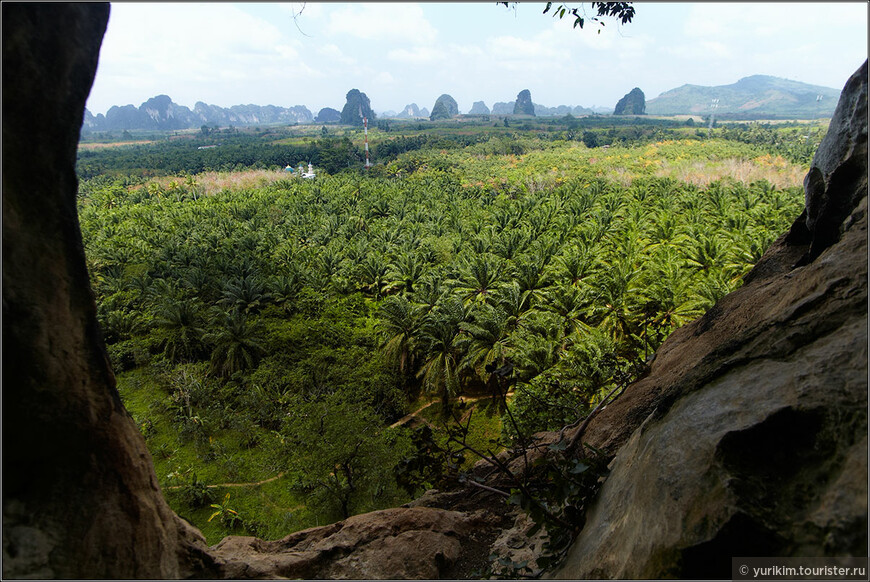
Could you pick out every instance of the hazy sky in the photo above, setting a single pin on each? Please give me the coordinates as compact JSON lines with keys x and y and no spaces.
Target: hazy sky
{"x":399,"y":53}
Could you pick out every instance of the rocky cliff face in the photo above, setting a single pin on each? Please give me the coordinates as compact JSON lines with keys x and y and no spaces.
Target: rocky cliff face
{"x":633,"y":103}
{"x":523,"y":105}
{"x":479,"y":108}
{"x":80,"y":497}
{"x":748,"y":435}
{"x":356,"y":108}
{"x":410,"y":111}
{"x":445,"y":107}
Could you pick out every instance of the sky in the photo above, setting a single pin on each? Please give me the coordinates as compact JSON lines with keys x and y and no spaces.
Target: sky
{"x":398,"y":53}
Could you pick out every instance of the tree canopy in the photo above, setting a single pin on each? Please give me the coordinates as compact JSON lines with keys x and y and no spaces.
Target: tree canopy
{"x":621,"y":11}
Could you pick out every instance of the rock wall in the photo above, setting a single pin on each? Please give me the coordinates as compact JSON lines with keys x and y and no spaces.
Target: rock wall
{"x":749,"y":435}
{"x":80,"y":497}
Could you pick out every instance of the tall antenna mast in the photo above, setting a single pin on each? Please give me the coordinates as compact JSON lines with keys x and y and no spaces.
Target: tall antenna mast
{"x":366,"y":133}
{"x":366,"y":130}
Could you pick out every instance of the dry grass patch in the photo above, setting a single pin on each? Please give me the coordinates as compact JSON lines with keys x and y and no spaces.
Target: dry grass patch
{"x":776,"y":171}
{"x":208,"y":183}
{"x":213,"y":182}
{"x":116,"y":144}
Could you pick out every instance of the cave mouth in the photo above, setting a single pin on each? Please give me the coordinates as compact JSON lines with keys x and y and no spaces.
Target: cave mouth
{"x":81,"y":498}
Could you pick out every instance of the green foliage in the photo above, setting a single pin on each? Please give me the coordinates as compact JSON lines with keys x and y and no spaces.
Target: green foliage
{"x":229,"y":517}
{"x":236,"y":345}
{"x":428,"y":465}
{"x":193,"y":492}
{"x":337,"y":448}
{"x":621,"y":11}
{"x":590,"y":139}
{"x":558,"y":496}
{"x":277,"y":331}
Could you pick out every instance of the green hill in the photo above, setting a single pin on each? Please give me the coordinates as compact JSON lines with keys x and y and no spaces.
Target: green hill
{"x":751,"y":97}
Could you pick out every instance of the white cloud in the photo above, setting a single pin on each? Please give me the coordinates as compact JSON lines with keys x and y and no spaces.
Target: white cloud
{"x":334,"y":54}
{"x":416,"y":55}
{"x":193,"y":46}
{"x":714,"y":49}
{"x":748,"y":21}
{"x":256,"y":53}
{"x":513,"y":48}
{"x":390,"y":22}
{"x":802,"y":41}
{"x":384,"y":78}
{"x":466,"y":51}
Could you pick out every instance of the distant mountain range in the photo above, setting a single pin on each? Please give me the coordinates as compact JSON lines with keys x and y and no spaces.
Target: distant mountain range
{"x":162,"y":114}
{"x":750,"y":97}
{"x":755,"y":97}
{"x":502,"y":108}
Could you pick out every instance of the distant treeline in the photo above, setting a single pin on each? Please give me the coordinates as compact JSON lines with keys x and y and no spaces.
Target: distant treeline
{"x":236,"y":150}
{"x":241,"y":151}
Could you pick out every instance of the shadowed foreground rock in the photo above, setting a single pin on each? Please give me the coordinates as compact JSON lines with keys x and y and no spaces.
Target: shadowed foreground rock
{"x":80,"y":497}
{"x":413,"y":542}
{"x":747,"y":436}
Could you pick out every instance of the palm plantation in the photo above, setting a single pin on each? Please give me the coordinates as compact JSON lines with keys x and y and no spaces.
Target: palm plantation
{"x":246,"y":323}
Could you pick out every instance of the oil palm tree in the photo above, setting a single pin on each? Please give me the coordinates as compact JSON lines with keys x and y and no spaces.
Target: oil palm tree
{"x":198,"y":280}
{"x":538,"y":347}
{"x":706,"y":252}
{"x":479,"y":277}
{"x":440,"y":371}
{"x":246,"y":294}
{"x":666,"y":289}
{"x":400,"y":324}
{"x":429,"y":292}
{"x":616,"y":306}
{"x":373,"y":275}
{"x":577,"y":263}
{"x":531,"y":276}
{"x":406,"y":271}
{"x":485,"y":340}
{"x":514,"y":303}
{"x":236,"y":346}
{"x":571,"y":304}
{"x":284,"y":287}
{"x":510,"y":243}
{"x":181,"y":327}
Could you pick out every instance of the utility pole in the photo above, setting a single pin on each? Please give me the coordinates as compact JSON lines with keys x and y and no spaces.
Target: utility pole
{"x":815,"y":116}
{"x":713,"y":105}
